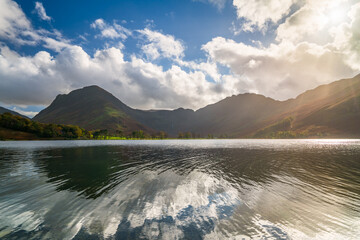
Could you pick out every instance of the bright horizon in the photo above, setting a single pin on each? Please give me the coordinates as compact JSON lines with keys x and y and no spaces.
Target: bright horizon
{"x":171,"y":54}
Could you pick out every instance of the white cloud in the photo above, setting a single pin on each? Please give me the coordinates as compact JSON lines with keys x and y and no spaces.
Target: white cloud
{"x":110,"y":31}
{"x":209,"y":68}
{"x":98,"y":23}
{"x":161,"y":45}
{"x":138,"y":83}
{"x":294,"y":62}
{"x":13,"y":21}
{"x":16,"y":28}
{"x":257,"y":13}
{"x":313,"y":20}
{"x":24,"y":78}
{"x":347,"y":37}
{"x":302,"y":17}
{"x":41,"y":11}
{"x":315,"y":43}
{"x":29,"y":114}
{"x":282,"y":70}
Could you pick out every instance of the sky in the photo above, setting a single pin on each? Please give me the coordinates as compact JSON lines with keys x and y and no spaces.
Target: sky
{"x":154,"y":54}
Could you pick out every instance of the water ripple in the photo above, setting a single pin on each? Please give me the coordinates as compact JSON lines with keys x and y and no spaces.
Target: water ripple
{"x":232,"y":189}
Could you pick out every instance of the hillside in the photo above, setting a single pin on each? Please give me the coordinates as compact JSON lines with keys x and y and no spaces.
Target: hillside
{"x":14,"y":127}
{"x":331,"y":110}
{"x":233,"y":116}
{"x":91,"y":108}
{"x":237,"y":116}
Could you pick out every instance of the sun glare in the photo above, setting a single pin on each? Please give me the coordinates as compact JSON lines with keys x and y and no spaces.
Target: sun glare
{"x":337,"y":15}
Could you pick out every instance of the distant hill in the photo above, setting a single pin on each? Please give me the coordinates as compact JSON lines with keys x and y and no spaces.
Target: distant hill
{"x":91,"y":108}
{"x":331,"y":110}
{"x":234,"y":117}
{"x":5,"y":110}
{"x":237,"y":116}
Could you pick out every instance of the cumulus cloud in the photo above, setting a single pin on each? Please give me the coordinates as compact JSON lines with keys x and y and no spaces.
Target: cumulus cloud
{"x":40,"y":10}
{"x":13,"y":21}
{"x":292,"y":18}
{"x":303,"y":55}
{"x":113,"y":31}
{"x":209,"y":68}
{"x":24,"y":78}
{"x":161,"y":45}
{"x":258,"y":13}
{"x":315,"y":43}
{"x":29,"y":114}
{"x":281,"y":71}
{"x":313,"y":20}
{"x":16,"y":28}
{"x":136,"y":82}
{"x":347,"y":37}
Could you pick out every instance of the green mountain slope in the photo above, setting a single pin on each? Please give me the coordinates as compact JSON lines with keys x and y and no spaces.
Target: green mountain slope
{"x":331,"y":110}
{"x":91,"y":108}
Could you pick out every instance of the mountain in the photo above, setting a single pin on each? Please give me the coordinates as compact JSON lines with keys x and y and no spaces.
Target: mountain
{"x":331,"y":110}
{"x":91,"y":108}
{"x":237,"y":116}
{"x":169,"y":121}
{"x":5,"y":110}
{"x":233,"y":116}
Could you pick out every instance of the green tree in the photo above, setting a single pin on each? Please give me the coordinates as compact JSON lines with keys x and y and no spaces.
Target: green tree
{"x":162,"y":134}
{"x":188,"y":135}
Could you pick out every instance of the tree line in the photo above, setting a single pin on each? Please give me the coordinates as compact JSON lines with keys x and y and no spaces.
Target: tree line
{"x":118,"y":134}
{"x":192,"y":135}
{"x":63,"y":131}
{"x":42,"y":130}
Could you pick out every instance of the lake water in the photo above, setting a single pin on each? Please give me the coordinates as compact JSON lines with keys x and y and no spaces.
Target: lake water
{"x":186,"y":189}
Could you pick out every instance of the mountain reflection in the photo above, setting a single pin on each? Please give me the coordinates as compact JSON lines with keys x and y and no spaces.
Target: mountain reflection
{"x":89,"y":171}
{"x":93,"y":171}
{"x":174,"y":191}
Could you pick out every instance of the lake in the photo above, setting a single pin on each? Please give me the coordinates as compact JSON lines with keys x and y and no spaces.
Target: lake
{"x":180,"y":189}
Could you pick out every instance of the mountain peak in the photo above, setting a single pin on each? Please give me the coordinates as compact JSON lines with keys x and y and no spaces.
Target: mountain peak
{"x":91,"y":89}
{"x":92,"y":108}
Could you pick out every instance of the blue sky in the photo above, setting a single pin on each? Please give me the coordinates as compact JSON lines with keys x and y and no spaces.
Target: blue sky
{"x":193,"y":22}
{"x":170,"y":54}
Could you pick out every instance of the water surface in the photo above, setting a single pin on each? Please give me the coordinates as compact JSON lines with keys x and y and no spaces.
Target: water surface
{"x":186,"y":189}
